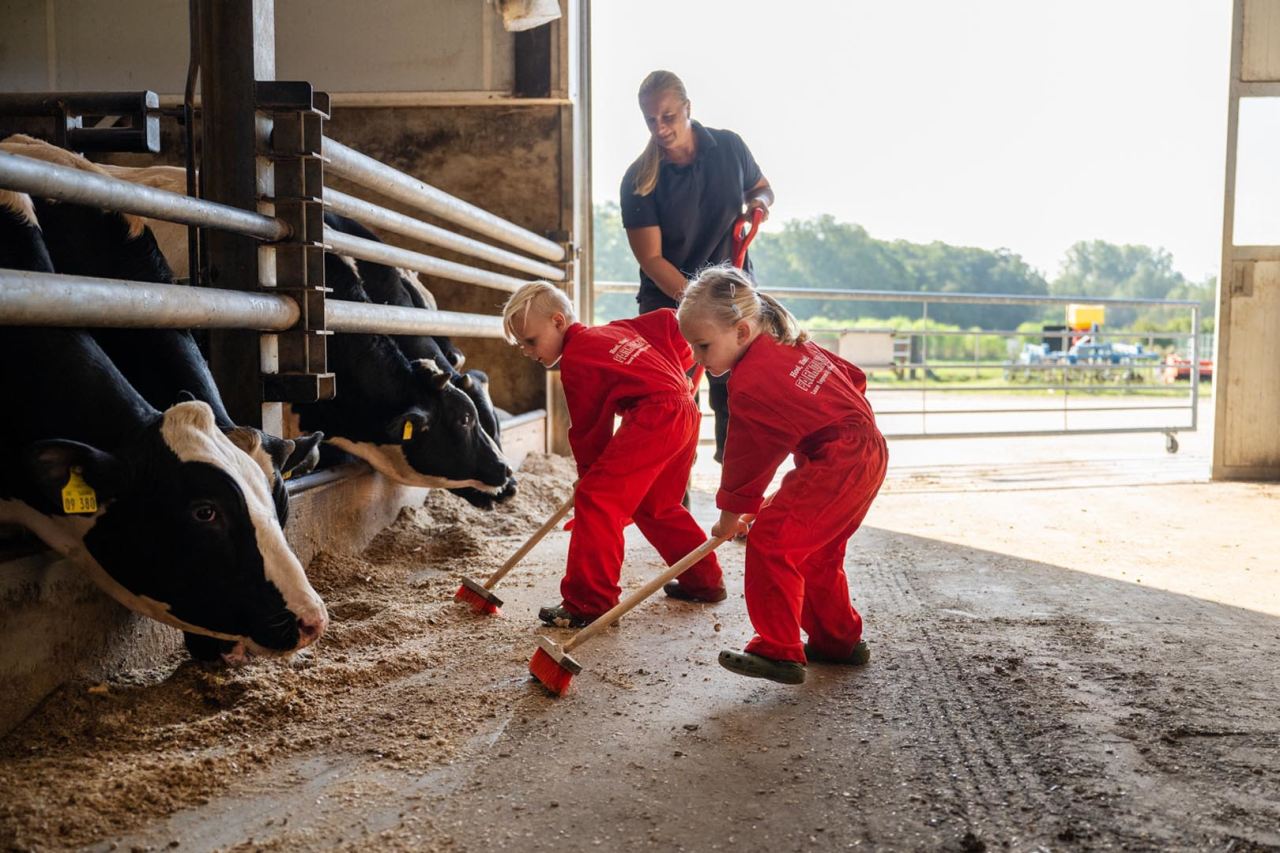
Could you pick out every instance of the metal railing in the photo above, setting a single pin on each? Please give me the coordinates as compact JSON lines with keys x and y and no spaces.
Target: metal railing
{"x":914,"y":399}
{"x":53,"y":299}
{"x":364,"y":170}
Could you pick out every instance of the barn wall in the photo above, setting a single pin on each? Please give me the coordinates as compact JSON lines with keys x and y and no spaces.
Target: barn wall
{"x":372,"y":46}
{"x":505,"y":159}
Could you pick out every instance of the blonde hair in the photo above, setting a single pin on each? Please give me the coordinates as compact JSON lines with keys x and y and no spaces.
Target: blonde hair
{"x":540,"y":296}
{"x":725,"y":295}
{"x":647,"y":173}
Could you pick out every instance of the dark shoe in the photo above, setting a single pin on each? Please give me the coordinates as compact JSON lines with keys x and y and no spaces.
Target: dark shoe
{"x":858,"y":657}
{"x":759,"y":666}
{"x":675,"y":589}
{"x":560,"y":616}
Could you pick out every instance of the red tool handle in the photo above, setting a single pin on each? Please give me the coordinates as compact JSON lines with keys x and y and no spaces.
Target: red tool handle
{"x":742,"y":240}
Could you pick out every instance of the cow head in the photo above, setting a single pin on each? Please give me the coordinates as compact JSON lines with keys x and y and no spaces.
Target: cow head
{"x":438,"y":442}
{"x":184,"y":531}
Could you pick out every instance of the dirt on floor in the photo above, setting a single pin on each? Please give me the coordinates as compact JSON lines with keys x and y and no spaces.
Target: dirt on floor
{"x":1078,"y":668}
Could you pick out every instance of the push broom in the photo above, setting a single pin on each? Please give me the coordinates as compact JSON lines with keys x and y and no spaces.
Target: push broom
{"x":551,"y":663}
{"x":480,"y":596}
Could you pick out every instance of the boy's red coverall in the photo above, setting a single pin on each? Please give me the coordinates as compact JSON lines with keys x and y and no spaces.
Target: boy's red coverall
{"x":635,"y":367}
{"x":804,"y":400}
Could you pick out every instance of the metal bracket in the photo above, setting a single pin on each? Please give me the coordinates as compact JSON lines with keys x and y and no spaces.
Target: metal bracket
{"x":117,"y":121}
{"x":298,"y":115}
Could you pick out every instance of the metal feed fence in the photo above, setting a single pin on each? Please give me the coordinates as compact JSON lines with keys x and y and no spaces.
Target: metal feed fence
{"x":934,"y":383}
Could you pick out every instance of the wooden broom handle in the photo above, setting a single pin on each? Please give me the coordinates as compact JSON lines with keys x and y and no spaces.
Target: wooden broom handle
{"x":644,"y":592}
{"x":533,"y":540}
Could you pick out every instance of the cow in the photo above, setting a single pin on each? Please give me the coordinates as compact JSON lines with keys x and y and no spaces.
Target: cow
{"x":380,"y":389}
{"x":164,"y":365}
{"x":403,"y":416}
{"x":386,"y":285}
{"x":160,"y":508}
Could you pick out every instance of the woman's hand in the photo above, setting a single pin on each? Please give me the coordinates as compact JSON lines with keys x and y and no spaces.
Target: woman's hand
{"x":730,"y":524}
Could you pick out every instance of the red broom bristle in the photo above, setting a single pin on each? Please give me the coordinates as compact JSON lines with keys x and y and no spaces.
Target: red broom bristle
{"x":553,"y":676}
{"x":477,"y":603}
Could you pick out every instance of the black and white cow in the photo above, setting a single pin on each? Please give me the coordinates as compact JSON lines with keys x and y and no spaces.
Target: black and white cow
{"x":405,"y":417}
{"x":181,"y":525}
{"x":164,"y":365}
{"x":386,"y":285}
{"x":380,"y":389}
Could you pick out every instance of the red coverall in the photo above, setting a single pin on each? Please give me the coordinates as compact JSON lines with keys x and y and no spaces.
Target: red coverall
{"x":635,"y":367}
{"x":803,"y":400}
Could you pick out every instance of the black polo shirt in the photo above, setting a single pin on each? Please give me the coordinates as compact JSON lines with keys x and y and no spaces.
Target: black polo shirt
{"x":694,"y":205}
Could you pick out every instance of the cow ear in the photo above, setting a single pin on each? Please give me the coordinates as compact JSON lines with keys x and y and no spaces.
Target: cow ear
{"x":407,"y":426}
{"x":279,"y":449}
{"x":305,"y":455}
{"x":49,"y":471}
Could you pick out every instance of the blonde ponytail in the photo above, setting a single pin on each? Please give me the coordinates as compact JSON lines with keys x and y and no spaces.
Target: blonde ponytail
{"x":725,"y":295}
{"x":651,"y":158}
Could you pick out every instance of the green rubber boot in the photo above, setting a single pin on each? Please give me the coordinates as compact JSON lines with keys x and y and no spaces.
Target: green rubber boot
{"x":759,"y":666}
{"x":858,"y":657}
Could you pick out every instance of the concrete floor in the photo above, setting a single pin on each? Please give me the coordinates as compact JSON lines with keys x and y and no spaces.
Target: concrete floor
{"x":1066,"y":655}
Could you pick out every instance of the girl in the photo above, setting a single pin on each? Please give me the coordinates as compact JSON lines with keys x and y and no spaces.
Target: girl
{"x":788,"y":395}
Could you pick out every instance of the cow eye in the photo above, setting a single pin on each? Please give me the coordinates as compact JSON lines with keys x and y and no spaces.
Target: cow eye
{"x":204,"y":512}
{"x":466,"y":421}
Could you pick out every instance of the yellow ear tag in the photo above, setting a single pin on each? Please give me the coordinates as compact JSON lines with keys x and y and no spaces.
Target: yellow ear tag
{"x":287,"y":474}
{"x":78,"y":497}
{"x":408,"y":431}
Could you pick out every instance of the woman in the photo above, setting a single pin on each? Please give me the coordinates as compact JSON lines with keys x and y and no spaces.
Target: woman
{"x":679,"y":201}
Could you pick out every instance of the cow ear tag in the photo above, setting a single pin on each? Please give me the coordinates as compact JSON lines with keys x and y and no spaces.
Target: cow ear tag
{"x":78,"y":497}
{"x":408,"y":430}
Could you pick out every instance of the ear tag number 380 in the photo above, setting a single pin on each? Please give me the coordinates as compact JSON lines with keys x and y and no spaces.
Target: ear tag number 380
{"x":78,"y":497}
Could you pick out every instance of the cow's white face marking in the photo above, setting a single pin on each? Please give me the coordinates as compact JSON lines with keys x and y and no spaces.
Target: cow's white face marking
{"x":192,"y":434}
{"x":390,"y":461}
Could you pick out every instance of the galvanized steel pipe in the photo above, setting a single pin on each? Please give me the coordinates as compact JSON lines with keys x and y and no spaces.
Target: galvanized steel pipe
{"x":343,"y":316}
{"x":380,"y":217}
{"x":372,"y":250}
{"x":366,"y":171}
{"x":46,"y":180}
{"x":51,"y":299}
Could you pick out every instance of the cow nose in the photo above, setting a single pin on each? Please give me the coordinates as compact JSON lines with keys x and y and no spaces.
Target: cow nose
{"x":311,"y":626}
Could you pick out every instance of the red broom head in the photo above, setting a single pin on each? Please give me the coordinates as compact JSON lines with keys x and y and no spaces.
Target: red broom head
{"x":478,"y":598}
{"x":554,"y":669}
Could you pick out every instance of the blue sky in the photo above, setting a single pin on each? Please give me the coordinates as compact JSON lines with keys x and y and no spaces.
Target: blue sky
{"x":1021,"y":124}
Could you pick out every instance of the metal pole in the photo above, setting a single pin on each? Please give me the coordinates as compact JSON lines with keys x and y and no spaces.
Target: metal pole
{"x":371,"y":214}
{"x":372,"y":250}
{"x":48,"y":299}
{"x":47,"y":180}
{"x":53,"y":299}
{"x":237,"y":49}
{"x":394,"y":320}
{"x":354,"y":166}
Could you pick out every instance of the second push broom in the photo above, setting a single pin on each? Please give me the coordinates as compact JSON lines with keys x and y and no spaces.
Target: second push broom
{"x":551,"y":663}
{"x":480,"y":596}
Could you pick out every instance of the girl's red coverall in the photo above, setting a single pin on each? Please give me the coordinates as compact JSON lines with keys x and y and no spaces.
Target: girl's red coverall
{"x":635,"y":367}
{"x":804,"y":400}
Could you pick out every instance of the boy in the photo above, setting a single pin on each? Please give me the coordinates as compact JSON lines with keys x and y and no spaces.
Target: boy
{"x":636,"y":368}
